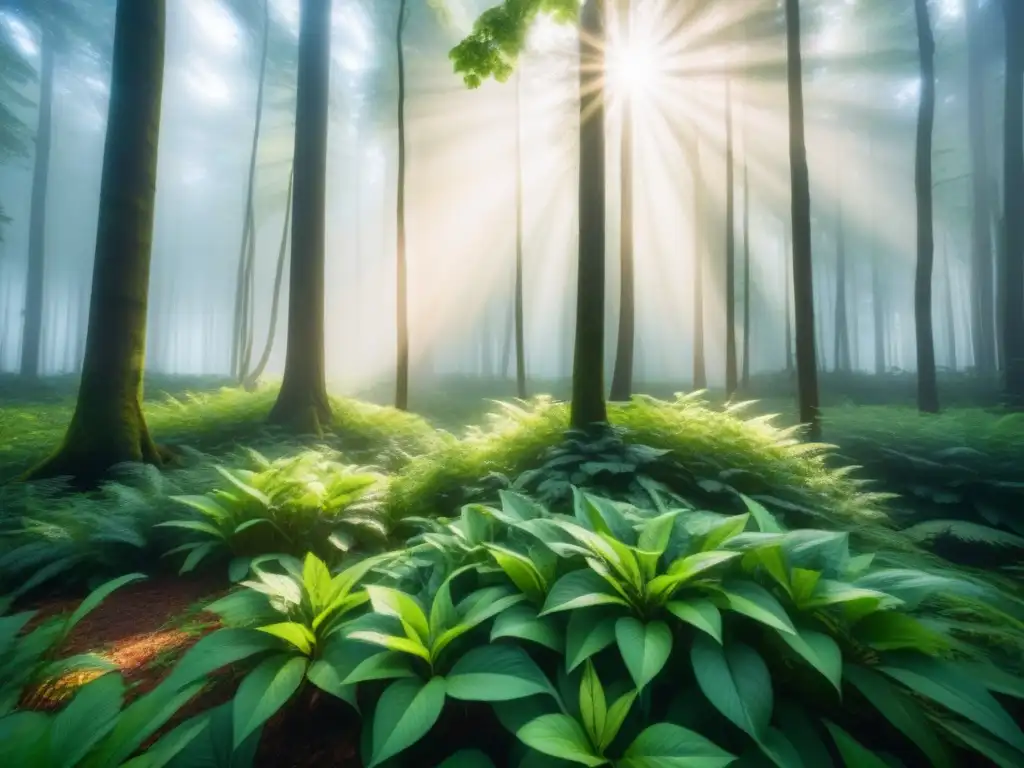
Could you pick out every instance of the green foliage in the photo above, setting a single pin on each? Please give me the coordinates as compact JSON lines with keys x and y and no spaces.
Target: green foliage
{"x":499,"y":37}
{"x":27,"y":660}
{"x":678,"y":636}
{"x":306,"y":503}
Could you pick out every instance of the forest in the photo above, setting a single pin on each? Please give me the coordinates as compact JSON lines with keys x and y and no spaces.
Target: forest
{"x":511,"y":383}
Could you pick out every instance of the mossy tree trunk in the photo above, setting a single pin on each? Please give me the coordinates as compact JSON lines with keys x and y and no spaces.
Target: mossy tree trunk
{"x":518,"y":319}
{"x":947,"y":262}
{"x":253,"y":376}
{"x":32,"y":330}
{"x":108,"y":426}
{"x":787,"y":290}
{"x":302,"y":403}
{"x":401,"y":283}
{"x":927,"y":385}
{"x":1013,"y":200}
{"x":730,"y":251}
{"x":842,"y":329}
{"x":800,"y":194}
{"x":241,"y":347}
{"x":982,"y":295}
{"x":622,"y":376}
{"x":700,"y":375}
{"x":588,"y":401}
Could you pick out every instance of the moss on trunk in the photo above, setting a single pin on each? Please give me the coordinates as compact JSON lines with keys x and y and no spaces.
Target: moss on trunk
{"x":108,"y":426}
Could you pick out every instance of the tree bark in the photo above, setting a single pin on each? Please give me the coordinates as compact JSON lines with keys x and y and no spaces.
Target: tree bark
{"x":787,"y":255}
{"x":746,"y":273}
{"x":519,"y":320}
{"x":927,"y":385}
{"x":730,"y":251}
{"x":242,"y":332}
{"x":842,"y":329}
{"x":588,"y":402}
{"x":32,"y":330}
{"x":401,"y":292}
{"x":1013,"y":200}
{"x":622,"y":377}
{"x":700,"y":376}
{"x":947,"y":259}
{"x":252,"y":378}
{"x":302,"y":403}
{"x":983,"y":334}
{"x":108,"y":427}
{"x":803,"y":273}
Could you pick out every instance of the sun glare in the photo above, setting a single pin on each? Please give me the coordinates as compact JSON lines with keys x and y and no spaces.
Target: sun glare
{"x":632,"y":68}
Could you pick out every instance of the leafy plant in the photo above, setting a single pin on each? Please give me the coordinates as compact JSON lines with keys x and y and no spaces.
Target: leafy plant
{"x":306,"y":503}
{"x":29,"y":660}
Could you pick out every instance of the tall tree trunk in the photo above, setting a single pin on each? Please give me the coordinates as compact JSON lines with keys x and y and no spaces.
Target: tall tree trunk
{"x":787,"y":256}
{"x":622,"y":377}
{"x":1013,"y":201}
{"x":302,"y":402}
{"x":108,"y":426}
{"x":983,"y":334}
{"x":32,"y":331}
{"x":730,"y":251}
{"x":746,"y":272}
{"x":947,"y":259}
{"x":519,"y":320}
{"x":401,"y":293}
{"x":927,"y":386}
{"x":842,"y":329}
{"x":242,"y":331}
{"x":700,"y":376}
{"x":803,"y":273}
{"x":588,"y":402}
{"x":253,"y":376}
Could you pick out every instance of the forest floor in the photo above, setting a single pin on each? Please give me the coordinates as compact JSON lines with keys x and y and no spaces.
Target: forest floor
{"x":967,"y":463}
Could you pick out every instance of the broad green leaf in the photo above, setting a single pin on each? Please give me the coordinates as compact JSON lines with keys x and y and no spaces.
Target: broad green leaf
{"x":645,"y":648}
{"x":755,"y":602}
{"x":24,"y":739}
{"x":89,"y":717}
{"x":97,"y":596}
{"x":701,"y":613}
{"x":617,"y":714}
{"x":496,"y":673}
{"x":820,"y":651}
{"x":664,"y":745}
{"x":901,"y":710}
{"x":803,"y":582}
{"x":773,"y":562}
{"x":326,"y":677}
{"x":521,"y":572}
{"x":216,"y":650}
{"x":999,"y":753}
{"x":736,"y":681}
{"x":171,"y":744}
{"x":765,"y":520}
{"x":653,"y":541}
{"x":579,"y":589}
{"x":910,"y":586}
{"x":686,"y":568}
{"x":562,"y":737}
{"x":317,"y":581}
{"x":944,"y":683}
{"x":405,"y":713}
{"x":442,"y":610}
{"x":588,"y":632}
{"x":392,"y":643}
{"x":723,"y":531}
{"x":777,"y":747}
{"x":891,"y":631}
{"x":253,"y":493}
{"x":481,"y":605}
{"x":10,"y":626}
{"x":800,"y":729}
{"x":140,"y":720}
{"x":264,"y":691}
{"x":852,"y":751}
{"x":467,"y":758}
{"x":196,"y":556}
{"x":519,"y":507}
{"x":345,"y":581}
{"x":521,"y":621}
{"x":204,"y":504}
{"x":292,"y":632}
{"x":199,"y":526}
{"x":593,"y":707}
{"x":994,"y":678}
{"x":392,"y":602}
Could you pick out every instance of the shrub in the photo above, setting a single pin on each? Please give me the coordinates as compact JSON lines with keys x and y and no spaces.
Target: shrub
{"x":306,"y":503}
{"x":634,"y":637}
